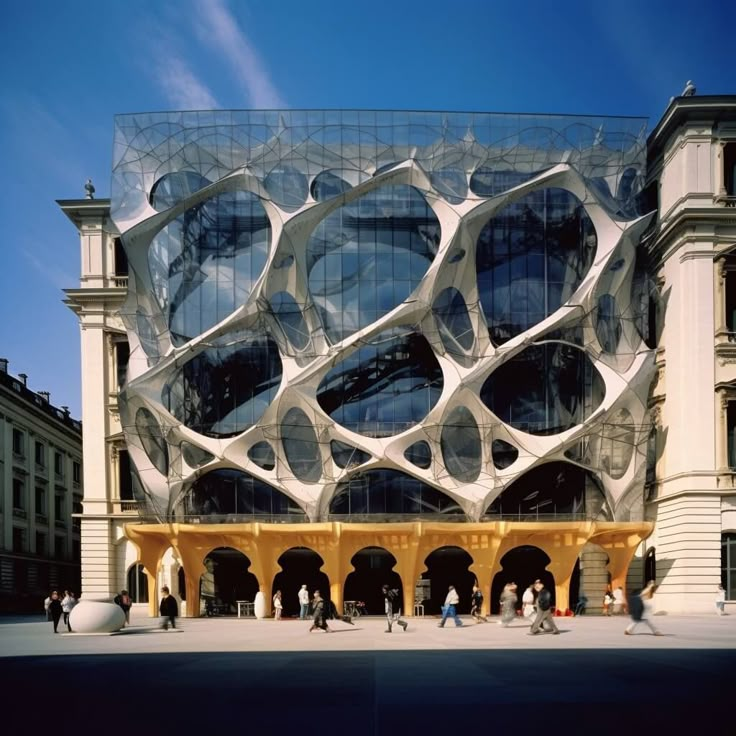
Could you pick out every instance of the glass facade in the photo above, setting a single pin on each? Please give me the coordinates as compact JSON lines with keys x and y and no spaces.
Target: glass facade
{"x":382,"y":314}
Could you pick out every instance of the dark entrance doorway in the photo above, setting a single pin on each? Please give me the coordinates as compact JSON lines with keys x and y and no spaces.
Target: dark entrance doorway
{"x":299,"y":566}
{"x":650,"y":567}
{"x":448,"y":566}
{"x":373,"y":567}
{"x":227,"y":580}
{"x":575,"y":586}
{"x":521,"y":565}
{"x":181,"y":580}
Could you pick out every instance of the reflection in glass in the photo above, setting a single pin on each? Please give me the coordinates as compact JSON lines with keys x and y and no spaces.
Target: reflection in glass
{"x":290,"y":319}
{"x":262,"y":455}
{"x":386,"y":491}
{"x":152,"y":438}
{"x":608,"y":323}
{"x":223,"y":391}
{"x":287,"y":186}
{"x":300,"y":446}
{"x":420,"y":454}
{"x":223,"y":492}
{"x":452,"y":184}
{"x":367,"y":257}
{"x":173,"y":188}
{"x":347,"y":456}
{"x":454,"y":321}
{"x":147,"y":335}
{"x":618,"y":439}
{"x":504,"y":454}
{"x":488,"y":182}
{"x":205,"y":263}
{"x":545,"y":389}
{"x":460,"y":445}
{"x":327,"y":185}
{"x":195,"y":456}
{"x":530,"y":258}
{"x":549,"y":489}
{"x":385,"y":387}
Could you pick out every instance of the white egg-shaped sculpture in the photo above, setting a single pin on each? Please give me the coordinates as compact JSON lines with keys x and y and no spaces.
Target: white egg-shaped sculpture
{"x":260,"y":609}
{"x":95,"y":617}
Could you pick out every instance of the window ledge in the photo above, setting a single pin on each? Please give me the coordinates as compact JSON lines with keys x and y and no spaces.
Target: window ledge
{"x":725,"y":200}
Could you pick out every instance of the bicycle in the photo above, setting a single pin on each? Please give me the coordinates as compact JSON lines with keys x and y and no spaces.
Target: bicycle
{"x":353,"y":609}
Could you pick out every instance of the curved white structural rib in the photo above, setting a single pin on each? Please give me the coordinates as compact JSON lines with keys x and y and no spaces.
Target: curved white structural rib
{"x":335,"y":316}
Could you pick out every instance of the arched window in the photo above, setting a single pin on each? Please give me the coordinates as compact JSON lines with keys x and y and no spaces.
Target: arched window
{"x":728,"y":564}
{"x":137,"y":583}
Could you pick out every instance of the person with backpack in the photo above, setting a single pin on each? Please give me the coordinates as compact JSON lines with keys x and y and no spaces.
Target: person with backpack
{"x":392,"y":608}
{"x":319,"y":617}
{"x":544,"y":611}
{"x":640,"y":607}
{"x":476,"y":606}
{"x":123,"y":600}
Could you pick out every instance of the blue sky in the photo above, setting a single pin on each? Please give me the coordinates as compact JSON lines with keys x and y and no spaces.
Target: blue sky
{"x":68,"y":67}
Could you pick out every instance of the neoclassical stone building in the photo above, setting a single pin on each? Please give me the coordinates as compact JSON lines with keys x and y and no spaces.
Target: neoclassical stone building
{"x":344,"y":348}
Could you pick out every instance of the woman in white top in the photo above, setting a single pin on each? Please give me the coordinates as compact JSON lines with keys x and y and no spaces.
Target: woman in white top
{"x":67,"y":603}
{"x":277,"y":605}
{"x":527,"y":601}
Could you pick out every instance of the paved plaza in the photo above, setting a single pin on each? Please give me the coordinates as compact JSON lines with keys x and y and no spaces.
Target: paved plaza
{"x":228,"y":673}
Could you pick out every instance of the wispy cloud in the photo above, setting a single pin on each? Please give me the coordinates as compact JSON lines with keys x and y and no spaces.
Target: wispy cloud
{"x":179,"y":83}
{"x":51,"y":272}
{"x":48,"y":144}
{"x":218,"y":28}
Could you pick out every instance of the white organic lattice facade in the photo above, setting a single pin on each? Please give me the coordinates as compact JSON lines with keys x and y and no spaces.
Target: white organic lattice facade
{"x":384,"y":315}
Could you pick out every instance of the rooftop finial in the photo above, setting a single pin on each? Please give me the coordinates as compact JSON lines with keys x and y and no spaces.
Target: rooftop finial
{"x":89,"y":187}
{"x":689,"y":90}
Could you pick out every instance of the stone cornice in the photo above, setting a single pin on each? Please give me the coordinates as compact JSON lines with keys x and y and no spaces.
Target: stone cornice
{"x":697,"y":109}
{"x":80,"y":210}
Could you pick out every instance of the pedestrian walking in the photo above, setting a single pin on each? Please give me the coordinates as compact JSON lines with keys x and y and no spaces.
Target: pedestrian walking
{"x":640,"y":608}
{"x":527,"y":603}
{"x":449,"y":610}
{"x":721,"y":601}
{"x":277,"y":605}
{"x":476,"y":606}
{"x":619,"y":601}
{"x":303,"y":603}
{"x":55,"y":610}
{"x":544,"y":611}
{"x":125,"y":602}
{"x":508,"y":604}
{"x":169,"y":610}
{"x":319,"y":614}
{"x":67,"y":603}
{"x":607,"y":602}
{"x":392,"y":608}
{"x":581,"y":605}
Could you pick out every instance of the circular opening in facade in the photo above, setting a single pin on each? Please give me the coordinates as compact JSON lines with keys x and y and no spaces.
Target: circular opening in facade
{"x":545,"y":389}
{"x":461,"y":446}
